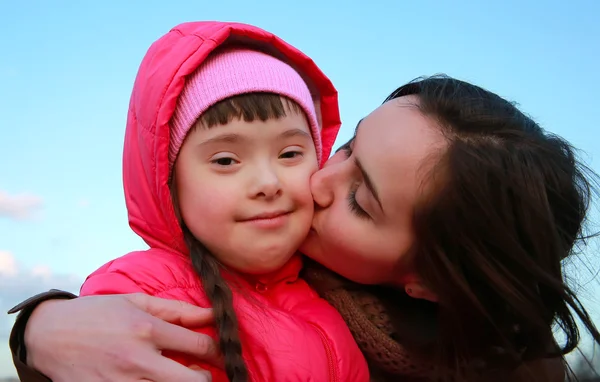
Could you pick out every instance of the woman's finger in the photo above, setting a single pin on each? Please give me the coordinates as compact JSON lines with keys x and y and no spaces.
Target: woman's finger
{"x":166,"y":370}
{"x":166,"y":336}
{"x":174,"y":311}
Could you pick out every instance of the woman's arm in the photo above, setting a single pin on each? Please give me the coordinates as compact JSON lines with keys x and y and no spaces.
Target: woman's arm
{"x":17,"y":335}
{"x":99,"y":338}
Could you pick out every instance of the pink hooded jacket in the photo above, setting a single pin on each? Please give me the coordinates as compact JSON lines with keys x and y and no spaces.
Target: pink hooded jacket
{"x":288,"y":333}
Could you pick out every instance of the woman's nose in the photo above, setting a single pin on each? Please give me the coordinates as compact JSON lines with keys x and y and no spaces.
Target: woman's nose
{"x":323,"y":183}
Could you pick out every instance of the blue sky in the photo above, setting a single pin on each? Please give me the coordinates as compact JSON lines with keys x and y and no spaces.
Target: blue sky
{"x":66,"y":72}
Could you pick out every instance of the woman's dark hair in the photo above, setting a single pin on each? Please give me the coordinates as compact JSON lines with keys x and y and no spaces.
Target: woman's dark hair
{"x":501,"y":209}
{"x":247,"y":107}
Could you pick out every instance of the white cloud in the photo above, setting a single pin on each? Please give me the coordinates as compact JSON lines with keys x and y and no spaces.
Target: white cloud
{"x":41,"y":271}
{"x":83,"y":203}
{"x":19,"y":206}
{"x":18,"y":283}
{"x":8,"y":265}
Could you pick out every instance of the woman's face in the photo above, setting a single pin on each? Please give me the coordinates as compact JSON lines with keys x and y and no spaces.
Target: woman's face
{"x":366,"y":193}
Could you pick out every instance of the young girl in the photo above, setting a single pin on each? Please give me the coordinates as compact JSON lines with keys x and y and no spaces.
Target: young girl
{"x":217,"y":168}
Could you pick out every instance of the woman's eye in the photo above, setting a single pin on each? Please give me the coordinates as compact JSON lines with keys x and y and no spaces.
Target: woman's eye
{"x":224,"y":161}
{"x":355,"y":207}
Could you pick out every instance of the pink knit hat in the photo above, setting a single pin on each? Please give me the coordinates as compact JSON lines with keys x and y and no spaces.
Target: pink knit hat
{"x":232,"y":72}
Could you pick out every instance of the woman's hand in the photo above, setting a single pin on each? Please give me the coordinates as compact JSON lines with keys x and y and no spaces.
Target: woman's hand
{"x":117,"y":338}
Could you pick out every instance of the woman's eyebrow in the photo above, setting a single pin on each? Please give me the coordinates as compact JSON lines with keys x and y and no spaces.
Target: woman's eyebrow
{"x":368,"y":182}
{"x":345,"y":145}
{"x":357,"y":126}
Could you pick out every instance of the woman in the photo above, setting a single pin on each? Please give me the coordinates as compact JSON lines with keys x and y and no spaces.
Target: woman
{"x":451,"y":208}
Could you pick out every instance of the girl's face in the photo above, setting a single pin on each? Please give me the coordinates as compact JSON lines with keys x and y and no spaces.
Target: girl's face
{"x":243,"y":190}
{"x":366,"y":193}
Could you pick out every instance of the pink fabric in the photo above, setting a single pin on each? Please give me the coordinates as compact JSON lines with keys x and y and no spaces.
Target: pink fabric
{"x":288,"y":332}
{"x":232,"y":72}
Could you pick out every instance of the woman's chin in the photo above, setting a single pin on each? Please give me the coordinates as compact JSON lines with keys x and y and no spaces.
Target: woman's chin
{"x":352,"y":273}
{"x":331,"y":259}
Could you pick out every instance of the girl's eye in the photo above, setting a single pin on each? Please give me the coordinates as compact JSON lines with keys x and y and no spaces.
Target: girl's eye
{"x":226,"y":161}
{"x":290,"y":155}
{"x":355,"y":207}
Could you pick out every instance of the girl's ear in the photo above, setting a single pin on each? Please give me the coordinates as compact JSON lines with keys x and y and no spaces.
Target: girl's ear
{"x":416,"y":289}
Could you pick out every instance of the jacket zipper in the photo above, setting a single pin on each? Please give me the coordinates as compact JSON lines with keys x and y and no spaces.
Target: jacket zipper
{"x":333,"y":372}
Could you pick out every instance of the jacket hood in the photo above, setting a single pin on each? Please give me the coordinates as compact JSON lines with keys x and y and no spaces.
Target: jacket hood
{"x":158,"y":84}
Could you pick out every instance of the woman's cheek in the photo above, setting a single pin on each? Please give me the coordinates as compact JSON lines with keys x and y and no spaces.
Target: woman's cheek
{"x":345,"y":236}
{"x":342,"y":227}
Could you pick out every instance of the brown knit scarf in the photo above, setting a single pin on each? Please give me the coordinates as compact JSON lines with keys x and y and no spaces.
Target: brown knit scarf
{"x":370,"y":325}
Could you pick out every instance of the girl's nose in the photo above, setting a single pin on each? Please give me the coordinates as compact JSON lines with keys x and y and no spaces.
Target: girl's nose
{"x":266,"y":184}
